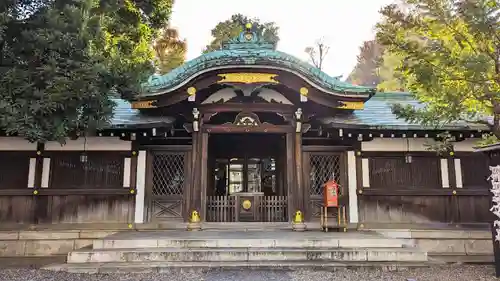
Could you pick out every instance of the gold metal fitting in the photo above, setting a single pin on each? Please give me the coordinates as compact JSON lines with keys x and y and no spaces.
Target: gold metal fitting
{"x":298,"y":218}
{"x":195,"y":217}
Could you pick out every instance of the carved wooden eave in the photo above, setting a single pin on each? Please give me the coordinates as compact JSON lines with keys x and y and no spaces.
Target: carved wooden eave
{"x":246,"y":63}
{"x":245,"y":83}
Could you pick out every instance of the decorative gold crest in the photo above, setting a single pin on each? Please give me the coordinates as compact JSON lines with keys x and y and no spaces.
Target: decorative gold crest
{"x":246,"y":205}
{"x":248,"y":78}
{"x":143,"y":104}
{"x":352,"y":105}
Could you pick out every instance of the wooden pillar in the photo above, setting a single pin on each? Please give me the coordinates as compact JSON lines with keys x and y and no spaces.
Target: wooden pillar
{"x":299,"y":184}
{"x":193,"y":184}
{"x":203,"y":174}
{"x":290,"y":174}
{"x":197,"y":199}
{"x":41,"y":214}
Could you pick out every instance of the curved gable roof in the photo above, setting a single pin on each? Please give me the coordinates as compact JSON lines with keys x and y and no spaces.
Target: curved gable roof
{"x":248,"y":50}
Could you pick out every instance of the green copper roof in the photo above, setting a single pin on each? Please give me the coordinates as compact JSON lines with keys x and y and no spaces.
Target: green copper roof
{"x":248,"y":50}
{"x":376,"y":115}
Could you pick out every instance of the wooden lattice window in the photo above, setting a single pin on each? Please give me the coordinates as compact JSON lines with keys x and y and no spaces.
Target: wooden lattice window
{"x":14,"y":170}
{"x":475,"y":171}
{"x":168,"y":173}
{"x":398,"y":172}
{"x":100,"y":170}
{"x":323,"y":167}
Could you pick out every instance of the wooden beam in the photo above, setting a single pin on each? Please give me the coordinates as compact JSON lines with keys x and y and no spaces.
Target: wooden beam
{"x":231,"y":129}
{"x":252,"y":107}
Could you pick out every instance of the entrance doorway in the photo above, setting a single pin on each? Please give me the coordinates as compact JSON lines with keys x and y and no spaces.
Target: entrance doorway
{"x":246,"y":178}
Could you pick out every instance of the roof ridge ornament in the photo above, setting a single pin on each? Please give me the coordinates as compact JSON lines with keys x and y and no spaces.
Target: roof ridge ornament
{"x":248,"y":39}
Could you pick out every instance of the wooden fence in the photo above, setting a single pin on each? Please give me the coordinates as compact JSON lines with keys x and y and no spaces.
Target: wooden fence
{"x":78,"y":189}
{"x":424,"y":189}
{"x":263,"y":209}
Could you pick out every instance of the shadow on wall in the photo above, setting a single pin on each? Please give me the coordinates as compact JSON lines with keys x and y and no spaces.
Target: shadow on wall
{"x":424,"y":209}
{"x":67,"y":209}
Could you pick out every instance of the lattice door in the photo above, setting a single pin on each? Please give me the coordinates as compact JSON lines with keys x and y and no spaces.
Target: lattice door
{"x":321,"y":167}
{"x":167,"y":185}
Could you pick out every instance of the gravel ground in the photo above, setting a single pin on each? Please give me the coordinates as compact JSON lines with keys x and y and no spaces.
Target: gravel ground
{"x":448,"y":273}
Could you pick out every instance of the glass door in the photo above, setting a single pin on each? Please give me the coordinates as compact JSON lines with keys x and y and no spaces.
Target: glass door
{"x":236,"y":175}
{"x":251,"y":175}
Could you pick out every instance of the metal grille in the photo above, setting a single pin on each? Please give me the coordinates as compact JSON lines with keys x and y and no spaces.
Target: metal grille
{"x":168,"y":174}
{"x":323,"y":169}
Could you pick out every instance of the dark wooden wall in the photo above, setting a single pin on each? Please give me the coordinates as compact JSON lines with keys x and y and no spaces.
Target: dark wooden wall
{"x":78,"y":192}
{"x":402,"y":192}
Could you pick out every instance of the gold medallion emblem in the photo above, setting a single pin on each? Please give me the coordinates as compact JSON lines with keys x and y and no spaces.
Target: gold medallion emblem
{"x":246,"y":205}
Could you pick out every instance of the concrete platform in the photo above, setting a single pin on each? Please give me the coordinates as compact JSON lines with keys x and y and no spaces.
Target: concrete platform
{"x":153,"y":267}
{"x":246,"y":239}
{"x":162,"y":250}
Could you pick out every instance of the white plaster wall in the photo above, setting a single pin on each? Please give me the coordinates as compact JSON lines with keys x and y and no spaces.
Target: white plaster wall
{"x":412,"y":144}
{"x":91,"y":144}
{"x":383,"y":144}
{"x":15,"y":143}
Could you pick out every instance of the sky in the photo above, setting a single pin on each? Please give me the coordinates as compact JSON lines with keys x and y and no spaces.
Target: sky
{"x":344,"y":25}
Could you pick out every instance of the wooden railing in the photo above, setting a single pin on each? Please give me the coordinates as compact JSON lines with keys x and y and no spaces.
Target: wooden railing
{"x":221,"y":208}
{"x":262,"y":209}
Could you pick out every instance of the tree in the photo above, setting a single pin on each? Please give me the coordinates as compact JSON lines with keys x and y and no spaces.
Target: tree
{"x":366,"y":71}
{"x":170,"y":51}
{"x":61,"y":60}
{"x":451,"y":59}
{"x":389,"y":75}
{"x":318,"y":53}
{"x":226,"y":30}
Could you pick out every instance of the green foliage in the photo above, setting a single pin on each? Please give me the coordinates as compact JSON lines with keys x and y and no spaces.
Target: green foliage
{"x":365,"y":72}
{"x":61,"y":60}
{"x":390,"y":73}
{"x":227,"y":30}
{"x":450,"y":52}
{"x":170,"y":51}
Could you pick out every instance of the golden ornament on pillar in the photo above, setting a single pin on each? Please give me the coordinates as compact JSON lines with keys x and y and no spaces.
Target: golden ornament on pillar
{"x":304,"y":91}
{"x":191,"y":91}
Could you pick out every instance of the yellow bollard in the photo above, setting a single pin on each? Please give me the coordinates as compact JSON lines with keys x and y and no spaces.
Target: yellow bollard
{"x":298,"y":218}
{"x":298,"y":222}
{"x":195,"y":217}
{"x":194,"y":221}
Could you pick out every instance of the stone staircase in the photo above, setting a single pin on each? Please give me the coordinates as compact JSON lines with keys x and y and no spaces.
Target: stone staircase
{"x":168,"y":250}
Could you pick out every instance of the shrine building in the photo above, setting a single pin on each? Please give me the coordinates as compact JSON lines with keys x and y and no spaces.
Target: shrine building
{"x":249,"y":134}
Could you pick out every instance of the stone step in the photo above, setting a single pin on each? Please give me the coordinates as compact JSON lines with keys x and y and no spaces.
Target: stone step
{"x":152,"y":267}
{"x":375,"y":242}
{"x":245,"y":254}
